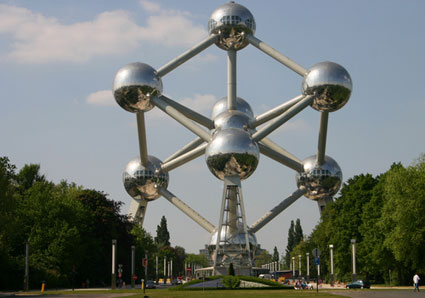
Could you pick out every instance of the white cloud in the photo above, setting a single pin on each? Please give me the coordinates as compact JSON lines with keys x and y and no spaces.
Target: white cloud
{"x":202,"y":103}
{"x":101,"y":98}
{"x":150,"y":6}
{"x":39,"y":39}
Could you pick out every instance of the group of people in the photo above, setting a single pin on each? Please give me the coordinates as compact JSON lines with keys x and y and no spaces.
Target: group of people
{"x":302,"y":285}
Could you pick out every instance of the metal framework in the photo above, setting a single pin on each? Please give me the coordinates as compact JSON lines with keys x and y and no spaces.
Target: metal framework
{"x":229,"y":138}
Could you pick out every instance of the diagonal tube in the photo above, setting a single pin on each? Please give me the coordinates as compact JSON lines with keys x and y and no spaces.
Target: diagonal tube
{"x":143,"y":149}
{"x":191,"y":114}
{"x":190,"y":146}
{"x":187,"y":55}
{"x":266,"y":218}
{"x":231,"y":80}
{"x":324,"y":116}
{"x":285,"y":160}
{"x":273,"y":113}
{"x":272,"y":126}
{"x":181,"y":118}
{"x":184,"y":158}
{"x":209,"y":227}
{"x":276,"y":55}
{"x":272,"y":145}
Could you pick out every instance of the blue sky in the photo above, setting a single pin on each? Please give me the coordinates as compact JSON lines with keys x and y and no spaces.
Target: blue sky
{"x":58,"y":60}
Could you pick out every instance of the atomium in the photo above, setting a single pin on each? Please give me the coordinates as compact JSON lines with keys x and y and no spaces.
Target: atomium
{"x":232,"y":138}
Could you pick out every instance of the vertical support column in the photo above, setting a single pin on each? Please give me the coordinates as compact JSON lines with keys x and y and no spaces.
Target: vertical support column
{"x":231,"y":80}
{"x":165,"y":270}
{"x":308,"y":266}
{"x":146,"y":268}
{"x":353,"y":243}
{"x":321,"y":147}
{"x":133,"y":254}
{"x":331,"y":247}
{"x":143,"y":149}
{"x":171,"y":271}
{"x":293,"y":267}
{"x":156,"y":269}
{"x":220,"y":225}
{"x":114,"y":274}
{"x":299,"y":265}
{"x":244,"y":224}
{"x":26,"y":276}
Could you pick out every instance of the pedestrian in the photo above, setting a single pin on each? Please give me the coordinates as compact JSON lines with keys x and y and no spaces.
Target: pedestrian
{"x":416,"y":279}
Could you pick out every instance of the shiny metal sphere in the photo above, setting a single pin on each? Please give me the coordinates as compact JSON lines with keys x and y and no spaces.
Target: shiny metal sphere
{"x":237,"y":239}
{"x":233,"y":22}
{"x":320,"y":181}
{"x":241,"y":105}
{"x":134,"y":84}
{"x":232,"y":152}
{"x":331,"y":85}
{"x":141,"y":182}
{"x":232,"y":119}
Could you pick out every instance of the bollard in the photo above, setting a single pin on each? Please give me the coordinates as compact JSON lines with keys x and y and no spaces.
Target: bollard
{"x":43,"y":285}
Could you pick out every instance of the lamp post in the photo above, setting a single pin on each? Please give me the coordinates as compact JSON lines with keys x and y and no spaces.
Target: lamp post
{"x":293,"y":266}
{"x":299,"y":265}
{"x":114,"y":274}
{"x":133,"y":253}
{"x":308,"y":266}
{"x":331,"y":247}
{"x":353,"y":243}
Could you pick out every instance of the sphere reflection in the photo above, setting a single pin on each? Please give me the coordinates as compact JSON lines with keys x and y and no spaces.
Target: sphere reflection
{"x":233,"y":22}
{"x":320,"y":180}
{"x":331,"y":85}
{"x":232,"y":152}
{"x":141,"y":182}
{"x":134,"y":84}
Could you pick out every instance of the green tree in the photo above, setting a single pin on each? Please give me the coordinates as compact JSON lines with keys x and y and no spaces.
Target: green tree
{"x":275,"y":255}
{"x":291,"y":243}
{"x":263,"y":258}
{"x":298,"y":232}
{"x":402,"y":218}
{"x":231,"y":270}
{"x":162,"y":235}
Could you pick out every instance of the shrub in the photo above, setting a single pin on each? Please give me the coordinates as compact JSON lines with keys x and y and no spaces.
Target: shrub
{"x":230,"y":281}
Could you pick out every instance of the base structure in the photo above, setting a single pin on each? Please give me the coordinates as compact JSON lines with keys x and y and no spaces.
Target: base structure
{"x":234,"y":244}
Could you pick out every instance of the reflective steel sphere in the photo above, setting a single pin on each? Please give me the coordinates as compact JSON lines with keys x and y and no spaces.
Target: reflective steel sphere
{"x":232,"y":21}
{"x":331,"y":85}
{"x":141,"y":182}
{"x":238,"y":239}
{"x":221,"y":106}
{"x":232,"y":119}
{"x":320,"y":181}
{"x":232,"y":152}
{"x":134,"y":84}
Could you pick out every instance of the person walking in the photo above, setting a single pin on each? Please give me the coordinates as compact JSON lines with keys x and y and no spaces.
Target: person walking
{"x":416,"y":279}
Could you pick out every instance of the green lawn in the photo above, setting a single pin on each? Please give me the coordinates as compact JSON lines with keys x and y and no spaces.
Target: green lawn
{"x":236,"y":294}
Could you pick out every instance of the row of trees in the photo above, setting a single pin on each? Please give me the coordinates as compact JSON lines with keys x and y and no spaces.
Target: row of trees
{"x":70,"y":230}
{"x":385,"y":214}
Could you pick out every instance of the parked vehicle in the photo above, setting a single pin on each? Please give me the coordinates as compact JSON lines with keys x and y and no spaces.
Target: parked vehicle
{"x":358,"y":284}
{"x":150,"y":284}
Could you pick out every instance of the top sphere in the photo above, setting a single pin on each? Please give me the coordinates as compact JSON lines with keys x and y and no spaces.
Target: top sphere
{"x":241,"y":105}
{"x":331,"y":85}
{"x":232,"y":22}
{"x":134,"y":84}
